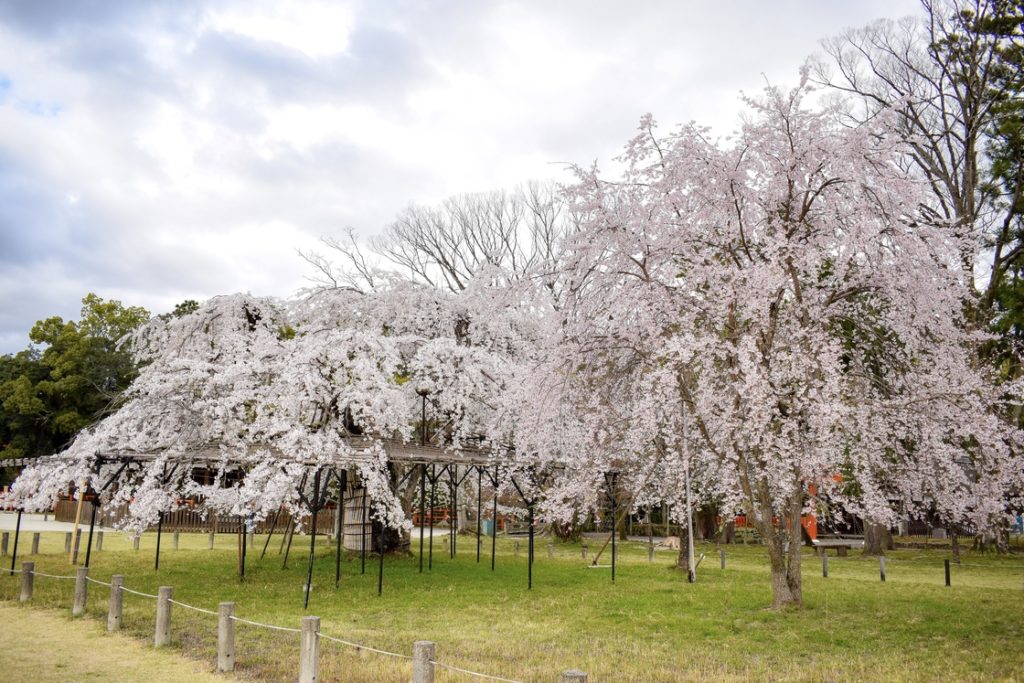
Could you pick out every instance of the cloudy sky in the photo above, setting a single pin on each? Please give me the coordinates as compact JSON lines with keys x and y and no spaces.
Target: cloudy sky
{"x":158,"y":151}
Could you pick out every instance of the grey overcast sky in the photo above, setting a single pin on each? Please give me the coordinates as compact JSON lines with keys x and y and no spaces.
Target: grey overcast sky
{"x":158,"y":151}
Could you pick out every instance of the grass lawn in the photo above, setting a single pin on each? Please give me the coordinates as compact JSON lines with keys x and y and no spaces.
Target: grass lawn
{"x":650,"y":625}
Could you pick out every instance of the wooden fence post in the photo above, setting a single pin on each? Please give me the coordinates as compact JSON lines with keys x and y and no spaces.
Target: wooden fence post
{"x":881,"y":567}
{"x":35,"y":543}
{"x":309,"y":650}
{"x":81,"y":591}
{"x":551,"y":550}
{"x":650,"y":552}
{"x":162,"y":636}
{"x":67,"y":543}
{"x":99,"y":540}
{"x":226,"y":637}
{"x":423,"y":652}
{"x":135,"y":541}
{"x":584,"y":551}
{"x":209,"y":543}
{"x":116,"y":603}
{"x":174,"y":542}
{"x":574,"y":676}
{"x":27,"y":575}
{"x":5,"y":539}
{"x":824,"y":564}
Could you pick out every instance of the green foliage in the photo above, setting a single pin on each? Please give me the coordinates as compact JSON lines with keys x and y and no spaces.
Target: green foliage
{"x":72,"y":377}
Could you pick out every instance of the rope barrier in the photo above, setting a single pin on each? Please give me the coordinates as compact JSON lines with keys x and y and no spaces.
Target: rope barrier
{"x":473,"y":673}
{"x":96,"y":581}
{"x":126,"y":589}
{"x":192,"y":607}
{"x":364,"y":647}
{"x":53,"y":576}
{"x":270,"y":626}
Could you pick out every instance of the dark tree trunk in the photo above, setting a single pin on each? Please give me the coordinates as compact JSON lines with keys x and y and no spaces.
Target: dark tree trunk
{"x":877,"y":539}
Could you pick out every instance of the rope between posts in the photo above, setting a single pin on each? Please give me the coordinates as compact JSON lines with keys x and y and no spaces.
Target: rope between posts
{"x":364,"y":647}
{"x":102,"y":583}
{"x":270,"y":626}
{"x":145,"y":595}
{"x":13,"y":571}
{"x":192,"y":607}
{"x":54,"y":576}
{"x":473,"y":673}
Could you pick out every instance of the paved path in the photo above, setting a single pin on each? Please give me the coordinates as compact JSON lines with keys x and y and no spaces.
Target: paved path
{"x":33,"y":522}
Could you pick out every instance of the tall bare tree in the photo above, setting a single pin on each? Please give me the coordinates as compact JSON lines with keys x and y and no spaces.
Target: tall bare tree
{"x":448,"y":244}
{"x":940,"y":73}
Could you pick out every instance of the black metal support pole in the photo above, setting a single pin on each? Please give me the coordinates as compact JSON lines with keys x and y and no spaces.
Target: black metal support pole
{"x":342,"y":483}
{"x":17,"y":532}
{"x":529,"y":561}
{"x":270,"y":534}
{"x":380,"y":570}
{"x":288,"y":547}
{"x":494,"y":525}
{"x":244,"y":540}
{"x":479,"y":510}
{"x":92,"y":525}
{"x":312,"y":536}
{"x":614,"y":525}
{"x":159,"y":533}
{"x":453,"y":523}
{"x":363,"y":539}
{"x":433,"y":486}
{"x":947,"y":573}
{"x":423,"y":504}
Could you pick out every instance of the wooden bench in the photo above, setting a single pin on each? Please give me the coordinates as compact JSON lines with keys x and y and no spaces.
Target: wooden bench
{"x":841,"y":548}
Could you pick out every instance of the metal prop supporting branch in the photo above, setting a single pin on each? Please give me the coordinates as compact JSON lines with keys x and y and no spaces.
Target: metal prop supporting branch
{"x":423,"y":504}
{"x":479,"y":503}
{"x":96,"y":504}
{"x":494,"y":514}
{"x":17,"y":532}
{"x":529,"y":511}
{"x":342,"y":478}
{"x":314,"y":504}
{"x":610,"y":478}
{"x":273,"y":527}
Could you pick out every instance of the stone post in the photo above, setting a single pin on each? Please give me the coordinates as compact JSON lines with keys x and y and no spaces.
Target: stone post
{"x":67,"y":543}
{"x":574,"y":676}
{"x":226,"y":637}
{"x":174,"y":539}
{"x":116,"y":603}
{"x":551,"y":550}
{"x":135,"y":542}
{"x":35,"y":543}
{"x":99,"y":540}
{"x":5,"y":539}
{"x":162,"y":636}
{"x":423,"y":652}
{"x":27,"y":575}
{"x":309,"y":650}
{"x":81,"y":591}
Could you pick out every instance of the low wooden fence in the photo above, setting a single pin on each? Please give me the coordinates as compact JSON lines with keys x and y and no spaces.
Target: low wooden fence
{"x":423,"y":658}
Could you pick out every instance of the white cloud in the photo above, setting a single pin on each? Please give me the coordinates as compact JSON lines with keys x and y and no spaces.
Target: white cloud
{"x":156,"y":152}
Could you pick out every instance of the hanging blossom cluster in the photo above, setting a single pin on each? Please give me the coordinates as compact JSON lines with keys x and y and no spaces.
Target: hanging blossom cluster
{"x":280,"y":389}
